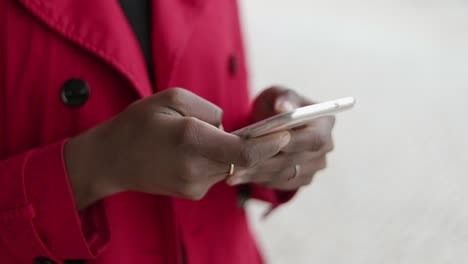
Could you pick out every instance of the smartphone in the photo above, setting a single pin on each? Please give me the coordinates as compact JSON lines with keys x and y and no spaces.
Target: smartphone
{"x":296,"y":118}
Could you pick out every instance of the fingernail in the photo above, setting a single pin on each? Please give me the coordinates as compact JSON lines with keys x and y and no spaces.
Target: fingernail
{"x":285,"y":138}
{"x":221,"y":127}
{"x":282,"y":106}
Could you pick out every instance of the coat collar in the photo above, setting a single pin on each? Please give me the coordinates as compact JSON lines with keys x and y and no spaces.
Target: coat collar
{"x":101,"y":28}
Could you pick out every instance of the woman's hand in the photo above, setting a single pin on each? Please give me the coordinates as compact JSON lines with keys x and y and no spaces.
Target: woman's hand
{"x":168,"y":144}
{"x":306,"y":153}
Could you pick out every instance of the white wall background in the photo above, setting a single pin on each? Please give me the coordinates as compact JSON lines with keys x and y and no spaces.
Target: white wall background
{"x":396,"y":190}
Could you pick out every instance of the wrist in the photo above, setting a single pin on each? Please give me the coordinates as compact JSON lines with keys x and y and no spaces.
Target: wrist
{"x":88,"y":180}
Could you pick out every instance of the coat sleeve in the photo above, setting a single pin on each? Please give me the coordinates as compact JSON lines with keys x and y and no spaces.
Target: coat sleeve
{"x":38,"y":217}
{"x":274,"y":197}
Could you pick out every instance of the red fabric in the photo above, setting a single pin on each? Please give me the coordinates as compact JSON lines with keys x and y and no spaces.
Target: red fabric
{"x":44,"y":43}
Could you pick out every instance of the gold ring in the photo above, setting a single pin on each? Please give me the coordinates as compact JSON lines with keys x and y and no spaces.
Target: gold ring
{"x":231,"y":170}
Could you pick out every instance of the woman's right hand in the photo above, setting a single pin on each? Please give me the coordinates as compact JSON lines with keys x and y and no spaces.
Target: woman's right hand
{"x":167,"y":144}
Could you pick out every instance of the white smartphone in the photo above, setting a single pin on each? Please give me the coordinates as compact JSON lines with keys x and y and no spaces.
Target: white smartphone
{"x":295,"y":118}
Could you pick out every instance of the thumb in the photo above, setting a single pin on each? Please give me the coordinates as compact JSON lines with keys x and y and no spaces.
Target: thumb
{"x":283,"y":105}
{"x":287,"y":101}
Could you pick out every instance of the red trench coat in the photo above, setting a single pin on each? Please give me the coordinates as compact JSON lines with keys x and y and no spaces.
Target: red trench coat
{"x":197,"y":45}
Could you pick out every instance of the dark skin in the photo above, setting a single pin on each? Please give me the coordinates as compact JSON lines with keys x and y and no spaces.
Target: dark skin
{"x":308,"y":147}
{"x":168,"y":144}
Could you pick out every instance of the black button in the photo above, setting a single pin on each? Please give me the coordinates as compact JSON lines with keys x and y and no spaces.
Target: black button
{"x":74,"y":262}
{"x":43,"y":261}
{"x":244,"y":193}
{"x":233,"y":64}
{"x":75,"y":92}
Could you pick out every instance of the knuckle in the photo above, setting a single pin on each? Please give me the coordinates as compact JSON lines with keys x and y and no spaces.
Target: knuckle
{"x":322,"y":164}
{"x":188,"y":186}
{"x":174,"y":94}
{"x":286,"y":173}
{"x":192,"y":183}
{"x":188,"y":173}
{"x":217,"y":114}
{"x":248,"y":156}
{"x":185,"y":180}
{"x":309,"y":156}
{"x":144,"y":118}
{"x":291,"y":96}
{"x":213,"y":113}
{"x":317,"y":140}
{"x":188,"y":133}
{"x":308,"y":180}
{"x":193,"y":192}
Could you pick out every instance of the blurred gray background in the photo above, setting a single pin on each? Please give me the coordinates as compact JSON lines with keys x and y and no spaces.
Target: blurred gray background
{"x":396,"y":187}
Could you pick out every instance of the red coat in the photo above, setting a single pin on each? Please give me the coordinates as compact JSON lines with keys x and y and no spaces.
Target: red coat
{"x":197,"y":45}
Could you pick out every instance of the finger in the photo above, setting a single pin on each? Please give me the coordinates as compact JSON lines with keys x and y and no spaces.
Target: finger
{"x":310,"y":168}
{"x":313,"y":137}
{"x":308,"y":172}
{"x":265,"y":103}
{"x":328,"y":147}
{"x":304,"y":170}
{"x":207,"y":169}
{"x":288,"y":100}
{"x":280,"y":167}
{"x":227,"y":148}
{"x":188,"y":104}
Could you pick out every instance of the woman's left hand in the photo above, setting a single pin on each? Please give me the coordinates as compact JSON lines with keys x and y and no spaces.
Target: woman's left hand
{"x":302,"y":158}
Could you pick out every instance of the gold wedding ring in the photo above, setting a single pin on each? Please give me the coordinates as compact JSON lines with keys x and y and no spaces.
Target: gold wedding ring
{"x":231,"y":170}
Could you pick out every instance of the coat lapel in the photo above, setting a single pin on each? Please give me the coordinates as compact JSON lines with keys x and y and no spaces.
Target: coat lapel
{"x":173,"y":25}
{"x":101,"y":28}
